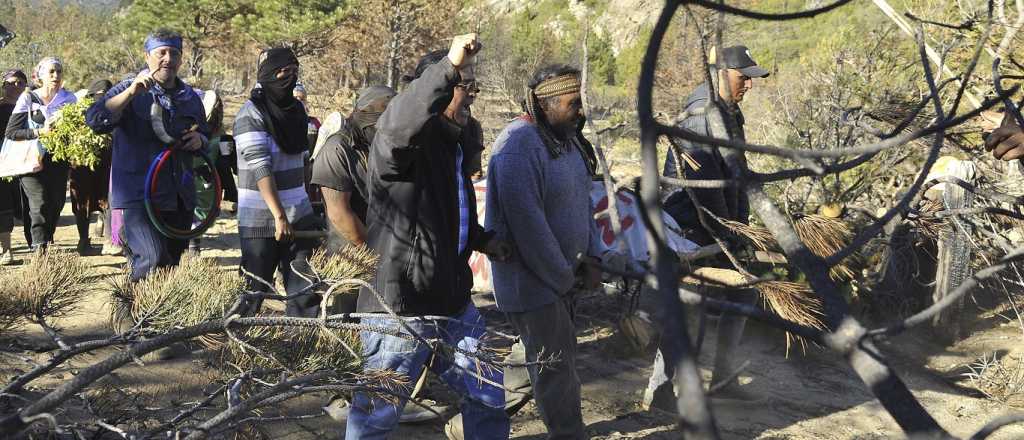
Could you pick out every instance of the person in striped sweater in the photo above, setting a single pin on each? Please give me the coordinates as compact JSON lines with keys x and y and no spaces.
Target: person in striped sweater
{"x":270,"y":137}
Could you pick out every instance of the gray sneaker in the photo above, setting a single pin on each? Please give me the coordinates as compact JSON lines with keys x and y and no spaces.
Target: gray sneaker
{"x":413,"y":413}
{"x":6,"y":258}
{"x":453,"y":429}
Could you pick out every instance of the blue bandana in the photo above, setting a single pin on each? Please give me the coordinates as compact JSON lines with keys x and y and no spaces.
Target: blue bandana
{"x":153,"y":42}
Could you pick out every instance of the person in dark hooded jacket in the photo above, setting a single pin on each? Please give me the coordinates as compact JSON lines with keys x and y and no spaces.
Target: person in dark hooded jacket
{"x":423,"y":226}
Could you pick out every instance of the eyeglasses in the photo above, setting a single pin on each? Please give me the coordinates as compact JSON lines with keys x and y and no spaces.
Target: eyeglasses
{"x":15,"y":83}
{"x":469,"y":86}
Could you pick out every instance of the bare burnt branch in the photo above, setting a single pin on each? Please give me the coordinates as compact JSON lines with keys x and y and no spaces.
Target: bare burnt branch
{"x":697,"y":183}
{"x":731,"y":10}
{"x":866,"y":235}
{"x":980,"y":45}
{"x":609,"y":186}
{"x":794,"y":153}
{"x":997,"y":84}
{"x":58,"y":359}
{"x":753,"y":312}
{"x":202,"y":430}
{"x":997,"y":424}
{"x":696,"y":420}
{"x":992,"y":210}
{"x":14,"y":423}
{"x":966,"y":25}
{"x":987,"y":193}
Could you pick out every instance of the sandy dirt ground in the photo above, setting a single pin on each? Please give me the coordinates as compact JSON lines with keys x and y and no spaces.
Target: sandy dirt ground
{"x":808,"y":396}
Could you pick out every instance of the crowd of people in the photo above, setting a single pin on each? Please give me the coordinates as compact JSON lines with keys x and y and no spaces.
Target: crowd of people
{"x":396,"y":177}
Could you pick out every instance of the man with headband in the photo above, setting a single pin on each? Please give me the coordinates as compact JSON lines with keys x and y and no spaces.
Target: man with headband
{"x":125,"y":111}
{"x":538,"y":198}
{"x":422,"y":224}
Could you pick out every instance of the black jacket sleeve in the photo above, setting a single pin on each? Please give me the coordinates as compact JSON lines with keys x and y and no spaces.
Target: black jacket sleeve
{"x":17,"y":128}
{"x":406,"y":114}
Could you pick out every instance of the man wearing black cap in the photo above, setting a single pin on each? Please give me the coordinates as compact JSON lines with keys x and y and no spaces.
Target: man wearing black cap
{"x":702,"y":161}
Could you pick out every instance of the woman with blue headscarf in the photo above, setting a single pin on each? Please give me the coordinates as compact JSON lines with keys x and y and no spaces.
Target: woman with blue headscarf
{"x":33,"y":115}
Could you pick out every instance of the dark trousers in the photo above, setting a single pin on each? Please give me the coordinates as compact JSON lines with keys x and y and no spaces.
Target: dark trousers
{"x":10,"y":205}
{"x":262,"y":256}
{"x":660,"y":392}
{"x":549,"y":331}
{"x":46,"y":192}
{"x":148,"y":249}
{"x":26,"y":219}
{"x":225,"y":170}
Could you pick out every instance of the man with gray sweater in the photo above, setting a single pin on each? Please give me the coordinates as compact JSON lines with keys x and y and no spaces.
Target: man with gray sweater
{"x":538,"y":199}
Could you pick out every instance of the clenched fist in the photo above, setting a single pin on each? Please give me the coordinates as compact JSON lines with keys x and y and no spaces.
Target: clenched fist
{"x":462,"y":50}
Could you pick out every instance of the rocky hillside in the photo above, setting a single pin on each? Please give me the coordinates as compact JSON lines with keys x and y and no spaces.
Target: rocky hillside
{"x":620,"y":21}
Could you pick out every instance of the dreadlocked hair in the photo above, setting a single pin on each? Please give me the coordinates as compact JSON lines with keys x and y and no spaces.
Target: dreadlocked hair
{"x":535,"y":112}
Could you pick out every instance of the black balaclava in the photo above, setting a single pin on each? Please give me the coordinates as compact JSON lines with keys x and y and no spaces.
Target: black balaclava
{"x":370,"y":104}
{"x":285,"y":117}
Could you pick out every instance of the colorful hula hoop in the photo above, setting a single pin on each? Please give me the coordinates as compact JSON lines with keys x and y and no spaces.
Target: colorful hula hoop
{"x":151,"y":188}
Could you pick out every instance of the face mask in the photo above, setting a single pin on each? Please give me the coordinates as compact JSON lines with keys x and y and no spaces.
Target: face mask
{"x":280,"y":89}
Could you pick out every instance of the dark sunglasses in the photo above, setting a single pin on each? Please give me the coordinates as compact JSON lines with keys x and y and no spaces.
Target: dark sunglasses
{"x":469,"y":86}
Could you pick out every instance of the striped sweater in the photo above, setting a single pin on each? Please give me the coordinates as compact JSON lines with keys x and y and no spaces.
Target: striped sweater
{"x":258,"y":157}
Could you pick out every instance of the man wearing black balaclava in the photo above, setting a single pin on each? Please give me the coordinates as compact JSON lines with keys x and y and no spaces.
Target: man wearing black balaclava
{"x":270,"y":136}
{"x":340,"y":166}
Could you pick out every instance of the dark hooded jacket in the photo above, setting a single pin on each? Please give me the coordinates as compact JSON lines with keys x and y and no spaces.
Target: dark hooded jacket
{"x":729,"y":203}
{"x":413,"y":217}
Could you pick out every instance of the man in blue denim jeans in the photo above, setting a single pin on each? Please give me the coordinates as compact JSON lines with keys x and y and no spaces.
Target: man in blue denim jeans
{"x":422,"y":224}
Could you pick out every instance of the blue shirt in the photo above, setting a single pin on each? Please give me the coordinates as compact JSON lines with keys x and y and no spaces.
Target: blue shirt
{"x":463,"y":202}
{"x":136,"y":144}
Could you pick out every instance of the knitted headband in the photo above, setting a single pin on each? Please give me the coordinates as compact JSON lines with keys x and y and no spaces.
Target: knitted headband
{"x":557,"y":86}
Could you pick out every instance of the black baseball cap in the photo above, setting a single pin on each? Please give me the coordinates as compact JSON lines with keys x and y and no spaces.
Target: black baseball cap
{"x":738,"y":57}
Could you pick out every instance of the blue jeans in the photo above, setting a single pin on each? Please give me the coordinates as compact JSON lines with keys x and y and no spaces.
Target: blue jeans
{"x":483,"y":405}
{"x":147,"y":248}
